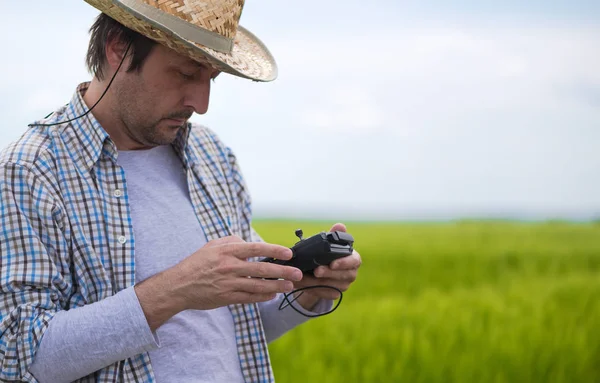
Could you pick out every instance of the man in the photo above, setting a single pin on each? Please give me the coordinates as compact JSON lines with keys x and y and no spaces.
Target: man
{"x":125,"y":231}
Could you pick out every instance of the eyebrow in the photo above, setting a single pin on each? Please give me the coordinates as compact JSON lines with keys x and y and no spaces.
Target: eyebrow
{"x":201,"y":66}
{"x":205,"y":67}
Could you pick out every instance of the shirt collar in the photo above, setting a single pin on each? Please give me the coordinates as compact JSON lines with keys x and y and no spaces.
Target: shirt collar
{"x":85,"y":137}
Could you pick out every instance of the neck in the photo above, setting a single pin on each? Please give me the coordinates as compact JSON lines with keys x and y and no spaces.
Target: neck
{"x":105,"y":114}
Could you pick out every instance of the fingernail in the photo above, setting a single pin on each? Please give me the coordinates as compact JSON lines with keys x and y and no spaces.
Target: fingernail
{"x":298,"y":275}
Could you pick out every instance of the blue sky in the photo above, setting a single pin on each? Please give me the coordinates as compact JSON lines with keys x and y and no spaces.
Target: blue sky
{"x":383,"y":109}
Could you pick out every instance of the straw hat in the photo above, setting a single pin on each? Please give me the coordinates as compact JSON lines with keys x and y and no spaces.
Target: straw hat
{"x":207,"y":31}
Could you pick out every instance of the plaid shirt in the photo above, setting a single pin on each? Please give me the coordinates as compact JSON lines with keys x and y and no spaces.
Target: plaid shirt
{"x":66,"y":235}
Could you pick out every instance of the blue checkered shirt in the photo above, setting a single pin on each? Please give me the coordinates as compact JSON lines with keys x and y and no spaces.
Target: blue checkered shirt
{"x":66,"y":236}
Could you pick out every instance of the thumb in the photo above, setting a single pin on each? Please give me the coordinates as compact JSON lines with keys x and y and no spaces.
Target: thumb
{"x":339,"y":227}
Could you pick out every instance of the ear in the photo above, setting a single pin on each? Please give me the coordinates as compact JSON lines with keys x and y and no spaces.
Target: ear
{"x":115,"y":50}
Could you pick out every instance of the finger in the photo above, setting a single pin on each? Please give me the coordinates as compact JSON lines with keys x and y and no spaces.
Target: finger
{"x":353,"y":261}
{"x":261,"y":286}
{"x":268,"y":270}
{"x":240,"y":297}
{"x":225,"y":240}
{"x":339,"y":275}
{"x":247,"y":250}
{"x":338,"y":227}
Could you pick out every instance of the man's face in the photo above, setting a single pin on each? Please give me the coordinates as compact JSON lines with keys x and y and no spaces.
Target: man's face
{"x":157,"y":101}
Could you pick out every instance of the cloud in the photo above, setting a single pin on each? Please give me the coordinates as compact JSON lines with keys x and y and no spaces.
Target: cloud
{"x":345,"y":109}
{"x":439,"y":76}
{"x":447,"y":117}
{"x":41,"y":100}
{"x":420,"y":116}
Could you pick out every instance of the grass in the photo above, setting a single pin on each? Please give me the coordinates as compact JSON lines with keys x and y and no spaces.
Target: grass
{"x":454,"y":302}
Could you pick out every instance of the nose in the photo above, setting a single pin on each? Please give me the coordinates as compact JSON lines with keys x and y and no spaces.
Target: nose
{"x":197,"y":95}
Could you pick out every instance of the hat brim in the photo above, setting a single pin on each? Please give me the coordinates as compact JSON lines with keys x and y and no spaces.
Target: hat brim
{"x":249,"y":57}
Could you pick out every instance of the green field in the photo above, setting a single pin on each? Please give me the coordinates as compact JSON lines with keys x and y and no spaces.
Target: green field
{"x":454,"y":302}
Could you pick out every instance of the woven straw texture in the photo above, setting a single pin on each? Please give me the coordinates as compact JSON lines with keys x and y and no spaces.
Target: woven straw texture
{"x":219,"y":16}
{"x":249,"y":57}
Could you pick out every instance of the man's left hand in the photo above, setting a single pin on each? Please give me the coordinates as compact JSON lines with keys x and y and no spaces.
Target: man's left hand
{"x":340,"y":274}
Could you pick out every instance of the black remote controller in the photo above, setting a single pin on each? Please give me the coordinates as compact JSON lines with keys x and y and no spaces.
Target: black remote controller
{"x":318,"y":250}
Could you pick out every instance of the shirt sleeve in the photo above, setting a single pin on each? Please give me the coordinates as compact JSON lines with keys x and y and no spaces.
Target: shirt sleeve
{"x":32,"y":273}
{"x":277,"y":322}
{"x":86,"y":339}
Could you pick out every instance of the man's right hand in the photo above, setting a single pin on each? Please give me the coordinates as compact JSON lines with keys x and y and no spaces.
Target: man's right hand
{"x":219,"y":274}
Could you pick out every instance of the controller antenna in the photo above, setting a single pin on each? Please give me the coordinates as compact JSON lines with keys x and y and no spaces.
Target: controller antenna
{"x":299,"y":234}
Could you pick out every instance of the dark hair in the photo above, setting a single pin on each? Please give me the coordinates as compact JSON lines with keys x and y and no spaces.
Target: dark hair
{"x":103,"y":30}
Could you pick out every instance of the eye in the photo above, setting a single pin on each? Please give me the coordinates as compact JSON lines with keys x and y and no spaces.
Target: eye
{"x":186,"y":76}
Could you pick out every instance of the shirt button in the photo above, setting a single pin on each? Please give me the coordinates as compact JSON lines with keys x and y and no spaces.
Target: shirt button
{"x":118,"y":193}
{"x":122,"y":240}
